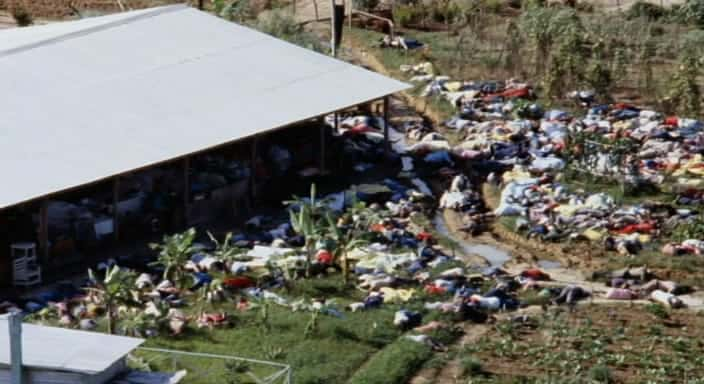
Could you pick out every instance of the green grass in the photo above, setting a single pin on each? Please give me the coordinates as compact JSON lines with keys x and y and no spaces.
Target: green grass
{"x":395,"y":364}
{"x":331,"y":354}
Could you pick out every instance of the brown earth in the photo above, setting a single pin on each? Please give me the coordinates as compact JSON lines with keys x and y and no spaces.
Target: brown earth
{"x":57,"y":9}
{"x":637,"y":336}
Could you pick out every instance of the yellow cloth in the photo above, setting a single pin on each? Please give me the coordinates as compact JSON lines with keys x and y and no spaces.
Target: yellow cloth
{"x":453,"y":86}
{"x":515,"y":175}
{"x":397,"y":296}
{"x":593,"y":234}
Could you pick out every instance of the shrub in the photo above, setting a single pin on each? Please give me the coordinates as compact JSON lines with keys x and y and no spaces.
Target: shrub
{"x":470,"y":366}
{"x":22,"y":16}
{"x":406,"y":15}
{"x":645,"y":10}
{"x":600,"y":374}
{"x":366,"y":5}
{"x":692,"y":11}
{"x":658,"y":310}
{"x":281,"y":24}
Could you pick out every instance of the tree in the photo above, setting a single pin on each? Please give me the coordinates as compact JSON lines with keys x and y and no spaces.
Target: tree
{"x":174,"y":252}
{"x":599,"y":74}
{"x":545,"y":26}
{"x":347,"y":239}
{"x":685,"y":96}
{"x":645,"y":58}
{"x":22,"y":16}
{"x":513,"y":45}
{"x":225,"y":251}
{"x":566,"y":70}
{"x":306,"y":222}
{"x":113,"y":290}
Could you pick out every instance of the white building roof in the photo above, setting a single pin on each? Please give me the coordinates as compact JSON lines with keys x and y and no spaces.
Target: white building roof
{"x":60,"y":349}
{"x":94,"y":98}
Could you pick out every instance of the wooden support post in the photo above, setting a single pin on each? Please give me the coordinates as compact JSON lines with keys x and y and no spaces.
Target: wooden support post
{"x":337,"y":122}
{"x":14,"y":325}
{"x":186,"y":187}
{"x":44,"y":231}
{"x":349,"y":14}
{"x":323,"y":127}
{"x":387,"y":143}
{"x":115,"y":213}
{"x":253,"y":172}
{"x":315,"y":7}
{"x":332,"y":29}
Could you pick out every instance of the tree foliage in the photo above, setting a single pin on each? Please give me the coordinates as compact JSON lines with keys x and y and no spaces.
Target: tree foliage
{"x":174,"y":252}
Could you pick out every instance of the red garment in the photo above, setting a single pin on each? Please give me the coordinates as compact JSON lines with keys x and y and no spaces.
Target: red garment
{"x":433,"y":289}
{"x":535,"y":274}
{"x":623,"y":106}
{"x":671,"y":120}
{"x":324,"y":257}
{"x":646,"y":227}
{"x":359,"y":129}
{"x":516,"y":93}
{"x":424,"y":236}
{"x":238,"y":282}
{"x":377,"y":228}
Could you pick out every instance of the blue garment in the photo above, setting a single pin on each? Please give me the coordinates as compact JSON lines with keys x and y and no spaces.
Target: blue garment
{"x":408,"y":242}
{"x":416,"y":266}
{"x":373,"y":302}
{"x":426,"y":253}
{"x":599,"y":109}
{"x":499,"y":293}
{"x":361,"y":270}
{"x":625,"y":114}
{"x":201,"y":279}
{"x":439,"y":157}
{"x":465,"y":291}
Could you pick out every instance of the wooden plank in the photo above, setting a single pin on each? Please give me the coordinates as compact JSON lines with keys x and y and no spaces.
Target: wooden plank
{"x":44,"y":231}
{"x":115,"y":213}
{"x":387,"y":143}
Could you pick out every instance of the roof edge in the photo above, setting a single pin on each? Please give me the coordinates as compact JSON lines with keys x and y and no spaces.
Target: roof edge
{"x":72,"y":35}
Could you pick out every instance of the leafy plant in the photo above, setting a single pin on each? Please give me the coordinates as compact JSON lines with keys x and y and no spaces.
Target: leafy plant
{"x":312,"y":324}
{"x":112,"y":290}
{"x":684,"y":96}
{"x":470,"y":366}
{"x":646,"y":10}
{"x":22,"y":16}
{"x":347,"y":239}
{"x":305,"y":222}
{"x":283,"y":25}
{"x":174,"y":252}
{"x":600,"y":374}
{"x":224,"y":250}
{"x":692,"y":11}
{"x":365,"y":5}
{"x":658,"y":310}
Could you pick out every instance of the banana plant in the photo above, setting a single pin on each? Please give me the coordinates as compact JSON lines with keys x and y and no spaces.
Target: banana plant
{"x":174,"y":252}
{"x":347,"y":239}
{"x":113,"y":290}
{"x":225,"y":251}
{"x":306,"y":222}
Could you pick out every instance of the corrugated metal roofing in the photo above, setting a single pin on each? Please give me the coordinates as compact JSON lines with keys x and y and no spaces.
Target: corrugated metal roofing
{"x":95,"y":98}
{"x":66,"y":350}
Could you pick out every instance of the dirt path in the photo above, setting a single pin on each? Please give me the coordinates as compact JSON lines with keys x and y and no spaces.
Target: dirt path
{"x":452,"y":370}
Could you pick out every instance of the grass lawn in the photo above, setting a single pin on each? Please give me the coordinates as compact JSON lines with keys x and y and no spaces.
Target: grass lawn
{"x":364,"y":346}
